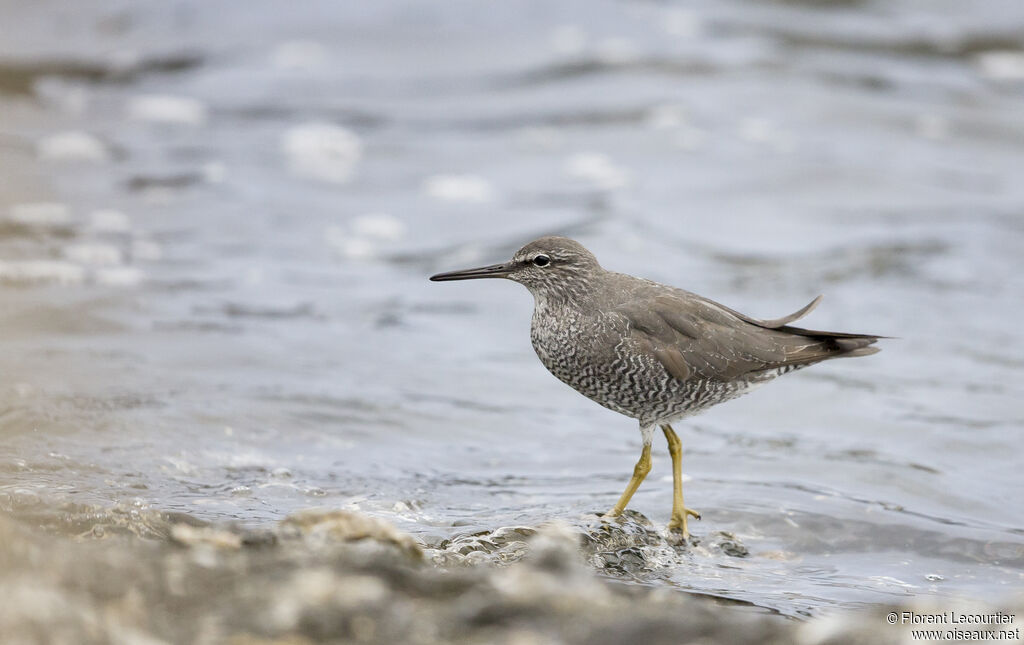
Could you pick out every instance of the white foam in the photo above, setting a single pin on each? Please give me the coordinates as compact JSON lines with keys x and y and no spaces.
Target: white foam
{"x":109,"y":221}
{"x":215,"y":172}
{"x":348,"y":246}
{"x":568,"y":40}
{"x":598,"y":169}
{"x":459,"y":188}
{"x":93,"y":254}
{"x":33,"y":271}
{"x":299,"y":55}
{"x":40,"y":214}
{"x":380,"y":226}
{"x":1001,"y":65}
{"x":159,"y":108}
{"x":322,"y":151}
{"x":180,"y":464}
{"x":119,"y":276}
{"x":73,"y":145}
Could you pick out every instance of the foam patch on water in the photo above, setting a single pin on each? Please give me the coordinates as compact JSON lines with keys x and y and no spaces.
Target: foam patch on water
{"x":73,"y":145}
{"x":568,"y":40}
{"x":379,"y":226}
{"x":597,"y":169}
{"x":215,"y":172}
{"x":159,"y":108}
{"x":95,"y":254}
{"x":44,"y":214}
{"x":322,"y":151}
{"x":459,"y":188}
{"x":365,"y":236}
{"x":119,"y":276}
{"x":349,"y":247}
{"x":672,"y":118}
{"x":41,"y":271}
{"x":1001,"y":65}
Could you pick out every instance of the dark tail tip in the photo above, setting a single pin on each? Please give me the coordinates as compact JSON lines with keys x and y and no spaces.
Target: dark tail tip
{"x":854,"y":347}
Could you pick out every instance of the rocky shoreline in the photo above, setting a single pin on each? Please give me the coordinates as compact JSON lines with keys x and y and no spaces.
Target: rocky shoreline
{"x":341,"y":576}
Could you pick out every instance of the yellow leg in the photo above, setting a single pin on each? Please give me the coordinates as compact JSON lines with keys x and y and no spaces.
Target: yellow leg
{"x":639,"y":472}
{"x":679,"y":510}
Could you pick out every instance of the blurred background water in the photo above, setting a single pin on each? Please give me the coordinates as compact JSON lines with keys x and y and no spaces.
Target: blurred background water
{"x":217,"y":219}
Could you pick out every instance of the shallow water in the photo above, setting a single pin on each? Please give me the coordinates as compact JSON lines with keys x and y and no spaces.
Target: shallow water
{"x":216,"y":226}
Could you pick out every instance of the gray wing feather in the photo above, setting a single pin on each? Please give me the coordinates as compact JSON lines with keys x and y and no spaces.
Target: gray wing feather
{"x":774,"y":323}
{"x":694,"y":337}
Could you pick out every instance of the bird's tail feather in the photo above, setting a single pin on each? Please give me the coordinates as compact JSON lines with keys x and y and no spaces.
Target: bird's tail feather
{"x":827,"y":344}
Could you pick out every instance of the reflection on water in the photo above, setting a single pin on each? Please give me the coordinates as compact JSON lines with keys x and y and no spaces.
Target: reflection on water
{"x":215,"y":227}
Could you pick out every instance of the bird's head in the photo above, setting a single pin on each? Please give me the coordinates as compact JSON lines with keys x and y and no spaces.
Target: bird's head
{"x":549,"y":267}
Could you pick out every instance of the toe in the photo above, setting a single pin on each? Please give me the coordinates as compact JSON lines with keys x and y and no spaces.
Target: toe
{"x":678,"y":524}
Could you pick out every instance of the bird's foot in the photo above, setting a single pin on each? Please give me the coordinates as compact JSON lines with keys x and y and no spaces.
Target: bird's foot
{"x":612,"y":514}
{"x":678,"y":521}
{"x":680,"y":528}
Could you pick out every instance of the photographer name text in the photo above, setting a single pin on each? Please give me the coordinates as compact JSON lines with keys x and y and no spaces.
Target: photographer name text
{"x":951,"y":618}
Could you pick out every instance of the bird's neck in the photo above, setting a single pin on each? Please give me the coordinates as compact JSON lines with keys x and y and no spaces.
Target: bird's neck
{"x":560,"y":303}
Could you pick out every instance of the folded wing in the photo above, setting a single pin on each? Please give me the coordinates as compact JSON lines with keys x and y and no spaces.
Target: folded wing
{"x":693,"y":337}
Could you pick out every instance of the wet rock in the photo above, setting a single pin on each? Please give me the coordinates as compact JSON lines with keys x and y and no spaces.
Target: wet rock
{"x":503,"y":545}
{"x":631,"y":529}
{"x":21,"y":498}
{"x":205,"y":536}
{"x":348,"y":526}
{"x":722,"y":542}
{"x":627,"y":546}
{"x":135,"y":519}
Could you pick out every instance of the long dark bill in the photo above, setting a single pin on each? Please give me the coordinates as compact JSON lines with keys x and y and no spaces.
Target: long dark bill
{"x":492,"y":271}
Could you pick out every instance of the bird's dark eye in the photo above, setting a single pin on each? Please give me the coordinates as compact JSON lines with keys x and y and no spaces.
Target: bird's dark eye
{"x":541,"y":260}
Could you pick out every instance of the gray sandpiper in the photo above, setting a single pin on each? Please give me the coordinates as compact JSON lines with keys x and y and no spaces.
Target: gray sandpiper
{"x":649,"y":351}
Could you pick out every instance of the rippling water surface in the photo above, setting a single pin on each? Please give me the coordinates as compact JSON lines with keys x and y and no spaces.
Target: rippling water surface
{"x":216,"y":224}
